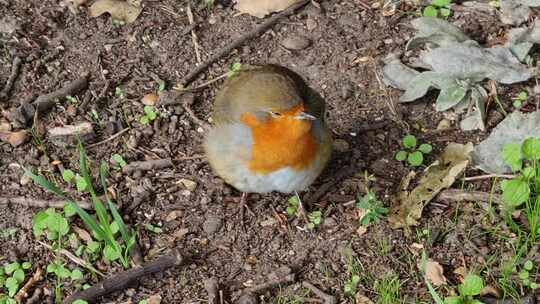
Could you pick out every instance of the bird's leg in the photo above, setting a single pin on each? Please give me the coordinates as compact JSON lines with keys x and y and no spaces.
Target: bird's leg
{"x":301,"y":210}
{"x":243,"y":204}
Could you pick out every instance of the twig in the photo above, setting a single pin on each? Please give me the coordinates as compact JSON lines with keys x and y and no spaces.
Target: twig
{"x":45,"y":102}
{"x":487,"y":176}
{"x":236,"y":43}
{"x":15,"y":67}
{"x":212,"y":288}
{"x":40,"y":203}
{"x":191,"y":114}
{"x":282,"y":275}
{"x":23,"y":292}
{"x":73,"y":258}
{"x":108,"y":139}
{"x":203,"y":85}
{"x":148,"y":165}
{"x":193,"y":35}
{"x":122,"y":280}
{"x":328,"y":299}
{"x":457,"y":195}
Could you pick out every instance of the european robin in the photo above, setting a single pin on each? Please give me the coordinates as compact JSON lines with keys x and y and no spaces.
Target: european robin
{"x":269,"y":133}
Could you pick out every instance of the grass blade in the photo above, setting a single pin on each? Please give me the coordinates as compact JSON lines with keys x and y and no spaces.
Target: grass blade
{"x":432,"y":291}
{"x":45,"y":183}
{"x":103,"y":173}
{"x":88,"y":220}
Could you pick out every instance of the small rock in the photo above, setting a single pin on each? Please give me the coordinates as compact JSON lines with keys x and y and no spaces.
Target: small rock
{"x":212,"y":225}
{"x":67,"y":135}
{"x":173,"y":215}
{"x":15,"y":139}
{"x":150,"y":99}
{"x":296,"y":43}
{"x":189,"y":184}
{"x":25,"y":180}
{"x":329,"y":222}
{"x":444,"y":124}
{"x":185,"y":193}
{"x":269,"y":222}
{"x":213,"y":19}
{"x":179,"y":234}
{"x":311,"y":24}
{"x":341,"y":145}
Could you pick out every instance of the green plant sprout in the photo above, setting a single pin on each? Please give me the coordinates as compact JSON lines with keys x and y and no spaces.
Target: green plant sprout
{"x":373,"y":209}
{"x":438,"y":8}
{"x":108,"y":222}
{"x":293,"y":204}
{"x":153,"y":229}
{"x":470,"y":288}
{"x":351,"y":285}
{"x":149,"y":115}
{"x":414,"y":156}
{"x":315,"y":219}
{"x":525,"y":277}
{"x":523,"y":189}
{"x":235,"y":68}
{"x":12,"y":276}
{"x":520,"y":99}
{"x":119,"y":92}
{"x":119,"y":161}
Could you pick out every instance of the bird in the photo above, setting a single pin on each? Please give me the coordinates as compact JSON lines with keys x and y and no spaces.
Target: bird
{"x":269,"y":132}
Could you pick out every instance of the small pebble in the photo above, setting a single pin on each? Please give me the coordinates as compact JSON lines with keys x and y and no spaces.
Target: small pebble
{"x":311,"y":24}
{"x":212,"y":225}
{"x":296,"y":43}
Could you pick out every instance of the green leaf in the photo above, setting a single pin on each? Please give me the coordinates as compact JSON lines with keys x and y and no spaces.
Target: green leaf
{"x":401,"y":156}
{"x":453,"y":300}
{"x":441,"y":3}
{"x":472,"y":285}
{"x":445,"y":12}
{"x":19,"y":275}
{"x":528,"y":265}
{"x":26,"y":265}
{"x":44,"y":183}
{"x":39,"y":223}
{"x":531,"y":148}
{"x":415,"y":159}
{"x":450,"y":97}
{"x":110,"y":253}
{"x":62,"y":272}
{"x":117,"y":158}
{"x":93,"y":246}
{"x":515,"y":191}
{"x":409,"y":141}
{"x":51,"y":268}
{"x":425,"y":148}
{"x":76,"y":274}
{"x":517,"y":104}
{"x":144,"y":120}
{"x":523,"y":95}
{"x":80,"y":183}
{"x":69,"y":211}
{"x":511,"y":154}
{"x":12,"y":285}
{"x":524,"y":274}
{"x":68,"y":175}
{"x":79,"y":301}
{"x":430,"y":11}
{"x":161,"y":86}
{"x":11,"y":267}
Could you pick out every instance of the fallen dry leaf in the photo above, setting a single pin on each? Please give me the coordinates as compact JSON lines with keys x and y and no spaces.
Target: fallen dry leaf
{"x":14,"y":138}
{"x":83,"y":234}
{"x":150,"y":99}
{"x":435,"y":273}
{"x":362,"y":299}
{"x":155,"y":299}
{"x":173,"y":215}
{"x":119,"y":10}
{"x":361,"y":230}
{"x":462,"y":272}
{"x":261,"y":8}
{"x":438,"y":176}
{"x":489,"y":290}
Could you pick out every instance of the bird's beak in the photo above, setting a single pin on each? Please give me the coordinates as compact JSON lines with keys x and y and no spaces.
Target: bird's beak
{"x":304,"y":115}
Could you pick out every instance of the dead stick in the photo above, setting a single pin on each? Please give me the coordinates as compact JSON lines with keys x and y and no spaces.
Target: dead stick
{"x":23,"y":292}
{"x":457,"y":195}
{"x":108,"y":139}
{"x":45,"y":102}
{"x":12,"y":77}
{"x":282,"y":275}
{"x":73,"y":258}
{"x":40,"y":203}
{"x":211,"y":287}
{"x":487,"y":176}
{"x":126,"y":278}
{"x":148,"y":165}
{"x":236,"y":43}
{"x":328,"y":299}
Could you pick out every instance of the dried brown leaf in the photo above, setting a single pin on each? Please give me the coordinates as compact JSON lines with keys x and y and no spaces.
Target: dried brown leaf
{"x":261,"y":8}
{"x":119,"y":10}
{"x":14,"y":138}
{"x":435,"y":273}
{"x":438,"y":176}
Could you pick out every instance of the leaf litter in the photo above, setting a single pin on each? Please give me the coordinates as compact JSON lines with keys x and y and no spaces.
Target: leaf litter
{"x":456,"y":65}
{"x":124,"y":11}
{"x":261,"y":8}
{"x":438,"y":176}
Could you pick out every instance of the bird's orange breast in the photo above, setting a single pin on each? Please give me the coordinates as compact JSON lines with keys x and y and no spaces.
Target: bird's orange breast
{"x":280,"y":143}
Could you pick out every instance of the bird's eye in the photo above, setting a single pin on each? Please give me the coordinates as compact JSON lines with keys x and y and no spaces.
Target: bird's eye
{"x":275,"y":114}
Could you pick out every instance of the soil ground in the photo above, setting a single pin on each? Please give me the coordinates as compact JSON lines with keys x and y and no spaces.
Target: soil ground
{"x":347,"y":45}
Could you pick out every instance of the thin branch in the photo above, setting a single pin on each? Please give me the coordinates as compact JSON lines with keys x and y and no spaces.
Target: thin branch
{"x":108,"y":139}
{"x":194,"y":38}
{"x":238,"y":42}
{"x":40,"y":203}
{"x":488,"y":176}
{"x":328,"y":299}
{"x":73,"y":258}
{"x":15,"y":67}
